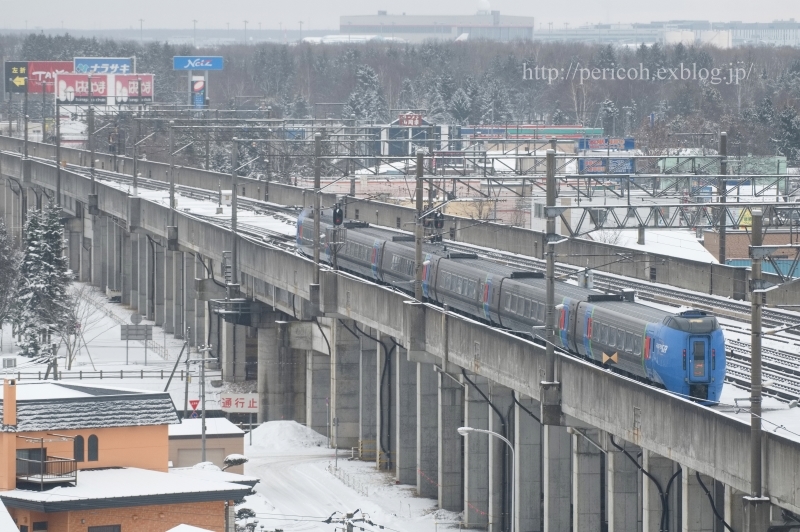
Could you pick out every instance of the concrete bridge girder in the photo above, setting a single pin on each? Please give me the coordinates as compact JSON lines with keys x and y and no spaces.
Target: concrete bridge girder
{"x":717,"y":446}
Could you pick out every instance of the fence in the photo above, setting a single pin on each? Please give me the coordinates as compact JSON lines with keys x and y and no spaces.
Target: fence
{"x":349,"y":480}
{"x":112,"y":374}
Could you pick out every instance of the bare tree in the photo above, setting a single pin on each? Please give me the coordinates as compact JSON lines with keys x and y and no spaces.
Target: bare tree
{"x":84,"y":313}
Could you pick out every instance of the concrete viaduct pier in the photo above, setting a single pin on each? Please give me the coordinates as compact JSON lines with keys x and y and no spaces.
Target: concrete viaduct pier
{"x":400,"y":377}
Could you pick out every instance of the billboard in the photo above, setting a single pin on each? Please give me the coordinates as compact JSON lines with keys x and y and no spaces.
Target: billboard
{"x":103,"y":89}
{"x":103,"y":65}
{"x":598,"y":166}
{"x":127,"y":88}
{"x":42,"y":75}
{"x":16,"y":76}
{"x":606,"y":143}
{"x":198,"y":92}
{"x":194,"y":62}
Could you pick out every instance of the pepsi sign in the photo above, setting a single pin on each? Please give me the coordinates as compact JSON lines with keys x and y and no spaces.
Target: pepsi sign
{"x":193,"y":62}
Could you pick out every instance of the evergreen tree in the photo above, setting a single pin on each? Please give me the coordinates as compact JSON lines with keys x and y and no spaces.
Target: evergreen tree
{"x":437,"y":109}
{"x":460,"y":106}
{"x":9,"y":274}
{"x":367,"y":101}
{"x":407,"y":99}
{"x":42,"y":304}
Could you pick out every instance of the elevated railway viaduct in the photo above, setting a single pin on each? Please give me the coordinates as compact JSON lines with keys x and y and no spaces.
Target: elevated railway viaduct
{"x":400,"y":376}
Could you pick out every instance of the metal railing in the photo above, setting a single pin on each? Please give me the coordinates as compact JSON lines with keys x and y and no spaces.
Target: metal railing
{"x":51,"y":470}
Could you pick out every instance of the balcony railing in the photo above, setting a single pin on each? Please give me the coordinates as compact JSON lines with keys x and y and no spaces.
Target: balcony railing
{"x":52,"y":470}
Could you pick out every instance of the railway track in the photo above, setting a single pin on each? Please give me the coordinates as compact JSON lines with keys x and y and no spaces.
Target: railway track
{"x":781,"y":369}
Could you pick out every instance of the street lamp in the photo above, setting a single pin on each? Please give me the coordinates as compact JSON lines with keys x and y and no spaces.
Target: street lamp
{"x":465,"y":431}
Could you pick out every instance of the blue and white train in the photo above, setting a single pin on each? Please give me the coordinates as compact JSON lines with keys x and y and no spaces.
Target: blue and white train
{"x":681,"y":352}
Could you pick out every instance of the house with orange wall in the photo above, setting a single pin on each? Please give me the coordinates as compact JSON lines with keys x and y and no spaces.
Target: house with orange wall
{"x":83,"y":458}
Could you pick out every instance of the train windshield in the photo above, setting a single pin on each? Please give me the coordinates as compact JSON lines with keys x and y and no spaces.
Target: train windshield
{"x":700,"y":325}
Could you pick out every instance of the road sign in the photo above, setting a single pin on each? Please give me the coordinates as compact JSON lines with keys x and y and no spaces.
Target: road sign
{"x":16,"y":76}
{"x":42,"y":75}
{"x":195,"y":62}
{"x":136,"y":332}
{"x":103,"y":65}
{"x":194,"y":403}
{"x":194,"y":414}
{"x":239,"y":403}
{"x":136,"y":318}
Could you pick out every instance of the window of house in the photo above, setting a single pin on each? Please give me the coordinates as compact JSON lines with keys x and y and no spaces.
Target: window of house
{"x":93,"y":453}
{"x":106,"y":528}
{"x":398,"y":223}
{"x":39,"y":525}
{"x":77,"y":448}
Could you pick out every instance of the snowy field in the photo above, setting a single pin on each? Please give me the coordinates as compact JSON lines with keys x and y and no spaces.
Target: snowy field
{"x":300,"y":486}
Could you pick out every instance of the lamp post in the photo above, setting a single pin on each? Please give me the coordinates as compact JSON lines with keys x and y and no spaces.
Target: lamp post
{"x":465,"y":431}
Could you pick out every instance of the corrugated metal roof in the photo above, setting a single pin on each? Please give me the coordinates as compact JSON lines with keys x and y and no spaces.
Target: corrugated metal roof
{"x":57,"y":406}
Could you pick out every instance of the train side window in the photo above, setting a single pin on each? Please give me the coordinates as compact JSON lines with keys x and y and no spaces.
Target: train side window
{"x":534,"y":310}
{"x":460,"y":285}
{"x":620,"y":339}
{"x":521,"y":306}
{"x":513,"y":306}
{"x":472,"y":286}
{"x":612,"y":337}
{"x":481,"y":286}
{"x":637,"y":344}
{"x":527,"y":308}
{"x":596,"y":331}
{"x":628,"y":342}
{"x":542,"y":313}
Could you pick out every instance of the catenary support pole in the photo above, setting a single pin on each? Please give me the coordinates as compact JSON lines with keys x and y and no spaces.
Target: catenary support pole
{"x":234,"y":208}
{"x":418,"y":232}
{"x":550,"y":357}
{"x":317,"y":209}
{"x":755,"y":360}
{"x":722,"y":195}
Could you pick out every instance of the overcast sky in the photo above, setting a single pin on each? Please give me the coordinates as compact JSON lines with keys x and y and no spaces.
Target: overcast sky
{"x":324,"y":14}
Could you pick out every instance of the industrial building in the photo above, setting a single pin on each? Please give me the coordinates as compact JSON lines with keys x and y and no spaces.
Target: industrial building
{"x":485,"y":24}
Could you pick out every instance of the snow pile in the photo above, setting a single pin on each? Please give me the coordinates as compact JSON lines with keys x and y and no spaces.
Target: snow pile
{"x":206,"y":465}
{"x":286,"y":436}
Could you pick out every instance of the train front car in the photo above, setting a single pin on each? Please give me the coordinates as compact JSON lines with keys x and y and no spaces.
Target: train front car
{"x":686,"y":352}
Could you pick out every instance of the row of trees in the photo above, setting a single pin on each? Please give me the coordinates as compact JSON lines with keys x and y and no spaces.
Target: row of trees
{"x":484,"y":82}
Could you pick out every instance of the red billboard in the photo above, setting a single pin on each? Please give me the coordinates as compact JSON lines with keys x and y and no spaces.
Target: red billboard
{"x":43,"y":74}
{"x":82,"y":88}
{"x":127,"y":88}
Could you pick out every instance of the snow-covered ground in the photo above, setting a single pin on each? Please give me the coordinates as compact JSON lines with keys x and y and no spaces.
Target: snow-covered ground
{"x":301,"y":487}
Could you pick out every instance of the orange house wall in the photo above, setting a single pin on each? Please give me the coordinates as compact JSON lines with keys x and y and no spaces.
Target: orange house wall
{"x":145,"y":447}
{"x":158,"y":518}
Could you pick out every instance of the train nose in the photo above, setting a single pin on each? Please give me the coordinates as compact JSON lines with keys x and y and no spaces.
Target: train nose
{"x":698,"y":362}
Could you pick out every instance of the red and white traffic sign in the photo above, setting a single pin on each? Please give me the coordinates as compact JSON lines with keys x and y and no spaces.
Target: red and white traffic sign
{"x":194,"y":403}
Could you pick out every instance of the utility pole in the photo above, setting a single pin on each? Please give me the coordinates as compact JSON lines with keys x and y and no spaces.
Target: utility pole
{"x":317,"y":173}
{"x":44,"y":106}
{"x":245,"y":32}
{"x":418,"y":232}
{"x":194,"y":33}
{"x":722,"y":189}
{"x":141,"y":34}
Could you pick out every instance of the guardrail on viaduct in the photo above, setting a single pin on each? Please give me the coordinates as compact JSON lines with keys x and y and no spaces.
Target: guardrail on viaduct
{"x":709,"y":278}
{"x":698,"y":437}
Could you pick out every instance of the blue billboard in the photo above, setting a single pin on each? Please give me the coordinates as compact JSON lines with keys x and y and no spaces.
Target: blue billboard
{"x":103,"y":65}
{"x":194,"y":62}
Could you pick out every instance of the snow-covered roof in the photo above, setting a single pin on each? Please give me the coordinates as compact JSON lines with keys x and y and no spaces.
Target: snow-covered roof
{"x":188,"y":528}
{"x":216,"y":476}
{"x":123,"y":487}
{"x":215,"y":426}
{"x":6,"y":522}
{"x":673,"y":243}
{"x":60,"y":406}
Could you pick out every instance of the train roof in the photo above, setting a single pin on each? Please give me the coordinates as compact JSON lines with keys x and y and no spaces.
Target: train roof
{"x":563,"y":289}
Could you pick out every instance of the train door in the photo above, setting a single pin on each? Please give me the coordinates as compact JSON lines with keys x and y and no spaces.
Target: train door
{"x":697,"y":359}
